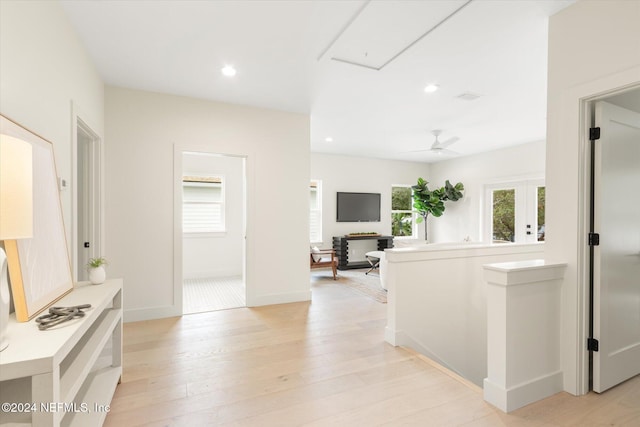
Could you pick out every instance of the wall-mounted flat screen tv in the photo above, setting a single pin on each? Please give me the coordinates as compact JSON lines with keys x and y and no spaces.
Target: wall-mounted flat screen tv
{"x":358,"y":207}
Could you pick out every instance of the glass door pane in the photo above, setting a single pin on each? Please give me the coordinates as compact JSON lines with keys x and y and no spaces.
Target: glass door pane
{"x":504,"y":216}
{"x":540,"y":213}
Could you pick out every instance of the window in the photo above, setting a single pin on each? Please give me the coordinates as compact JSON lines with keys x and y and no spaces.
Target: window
{"x":315,"y":211}
{"x":515,"y":212}
{"x":203,"y":204}
{"x":402,"y":217}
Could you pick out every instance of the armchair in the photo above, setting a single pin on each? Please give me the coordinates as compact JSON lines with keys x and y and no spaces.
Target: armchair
{"x":323,"y":258}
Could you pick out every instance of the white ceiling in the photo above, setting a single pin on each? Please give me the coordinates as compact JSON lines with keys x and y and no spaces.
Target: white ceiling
{"x":357,"y":67}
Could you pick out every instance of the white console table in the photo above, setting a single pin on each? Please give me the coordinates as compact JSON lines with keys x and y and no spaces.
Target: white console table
{"x":67,"y":375}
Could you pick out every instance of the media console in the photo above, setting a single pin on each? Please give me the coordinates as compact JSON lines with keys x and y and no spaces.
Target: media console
{"x":341,"y":246}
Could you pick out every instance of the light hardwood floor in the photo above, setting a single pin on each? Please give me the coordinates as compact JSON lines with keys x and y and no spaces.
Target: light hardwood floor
{"x":323,"y":363}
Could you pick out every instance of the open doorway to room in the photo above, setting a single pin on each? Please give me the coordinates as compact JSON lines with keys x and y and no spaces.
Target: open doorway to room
{"x":87,"y":197}
{"x":213,"y":230}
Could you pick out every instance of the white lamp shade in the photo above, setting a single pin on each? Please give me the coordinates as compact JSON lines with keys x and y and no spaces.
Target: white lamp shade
{"x":16,"y":188}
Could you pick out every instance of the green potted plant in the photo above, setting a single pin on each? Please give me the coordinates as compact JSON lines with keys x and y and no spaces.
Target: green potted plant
{"x":427,"y":201}
{"x":97,"y":273}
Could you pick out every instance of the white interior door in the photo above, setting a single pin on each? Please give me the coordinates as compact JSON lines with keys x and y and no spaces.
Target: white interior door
{"x":617,"y":258}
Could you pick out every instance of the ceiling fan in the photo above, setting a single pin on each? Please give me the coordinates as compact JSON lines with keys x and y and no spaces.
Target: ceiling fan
{"x":440,"y":147}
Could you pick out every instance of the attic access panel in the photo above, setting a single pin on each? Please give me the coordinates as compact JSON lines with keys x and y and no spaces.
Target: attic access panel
{"x":381,"y":31}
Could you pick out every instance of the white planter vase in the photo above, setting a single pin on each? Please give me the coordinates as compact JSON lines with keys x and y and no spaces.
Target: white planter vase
{"x":97,"y":275}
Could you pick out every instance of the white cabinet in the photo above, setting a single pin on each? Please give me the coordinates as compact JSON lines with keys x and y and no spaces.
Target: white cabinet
{"x":65,"y":376}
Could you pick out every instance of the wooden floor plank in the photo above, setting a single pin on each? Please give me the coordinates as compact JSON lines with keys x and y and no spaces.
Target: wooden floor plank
{"x":316,"y":364}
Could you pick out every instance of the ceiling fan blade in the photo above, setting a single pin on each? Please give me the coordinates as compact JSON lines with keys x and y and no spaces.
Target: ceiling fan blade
{"x":448,"y":142}
{"x":445,"y":152}
{"x":438,"y":147}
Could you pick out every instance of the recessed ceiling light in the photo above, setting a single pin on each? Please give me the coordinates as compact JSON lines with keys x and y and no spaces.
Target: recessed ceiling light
{"x":228,"y":71}
{"x":431,"y":88}
{"x":328,"y":139}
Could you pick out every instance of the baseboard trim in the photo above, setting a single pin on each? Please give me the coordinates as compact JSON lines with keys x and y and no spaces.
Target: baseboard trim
{"x":523,"y":394}
{"x":139,"y":314}
{"x":198,"y":275}
{"x":284,"y":298}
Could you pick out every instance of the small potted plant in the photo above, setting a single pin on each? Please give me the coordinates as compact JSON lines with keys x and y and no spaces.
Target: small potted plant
{"x":97,"y":273}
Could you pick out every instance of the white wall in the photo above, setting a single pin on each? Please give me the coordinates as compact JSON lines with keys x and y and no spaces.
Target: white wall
{"x":464,"y":217}
{"x":43,"y":69}
{"x":142,"y":129}
{"x":364,"y":175}
{"x":217,"y":254}
{"x":594,"y":47}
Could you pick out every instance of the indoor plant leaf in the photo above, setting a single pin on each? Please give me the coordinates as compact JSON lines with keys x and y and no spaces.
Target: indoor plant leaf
{"x":427,"y":201}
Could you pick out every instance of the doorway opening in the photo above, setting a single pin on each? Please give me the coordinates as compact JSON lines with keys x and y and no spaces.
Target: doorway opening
{"x":213,"y":232}
{"x":87,"y":242}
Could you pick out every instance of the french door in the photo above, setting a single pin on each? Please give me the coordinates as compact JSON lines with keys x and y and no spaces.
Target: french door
{"x":514,"y":212}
